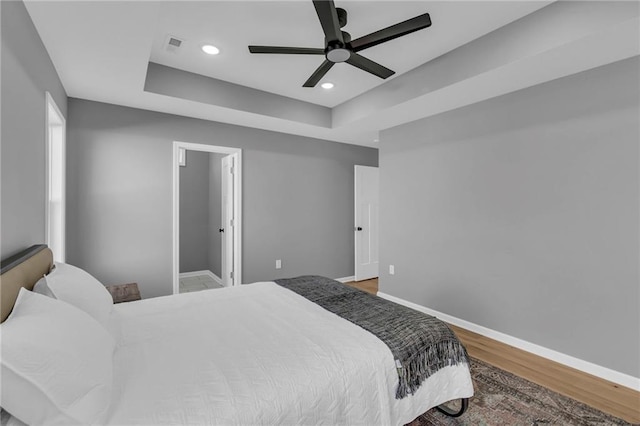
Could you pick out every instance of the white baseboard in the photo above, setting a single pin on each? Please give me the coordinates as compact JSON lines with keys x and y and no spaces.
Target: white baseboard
{"x":216,"y":278}
{"x":346,"y":279}
{"x":210,"y":274}
{"x":605,"y":373}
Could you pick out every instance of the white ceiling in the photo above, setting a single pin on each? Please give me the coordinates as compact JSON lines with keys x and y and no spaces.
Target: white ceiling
{"x":101,"y":50}
{"x":232,"y":26}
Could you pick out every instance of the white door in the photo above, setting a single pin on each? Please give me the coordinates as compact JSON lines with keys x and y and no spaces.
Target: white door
{"x":366,"y":222}
{"x":227,"y":226}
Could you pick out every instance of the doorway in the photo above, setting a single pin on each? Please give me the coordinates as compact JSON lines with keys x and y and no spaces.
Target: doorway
{"x":366,"y":181}
{"x":207,"y":226}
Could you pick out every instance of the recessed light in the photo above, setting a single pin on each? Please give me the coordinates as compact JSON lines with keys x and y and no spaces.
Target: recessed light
{"x":210,"y":49}
{"x":327,"y":85}
{"x":376,"y":140}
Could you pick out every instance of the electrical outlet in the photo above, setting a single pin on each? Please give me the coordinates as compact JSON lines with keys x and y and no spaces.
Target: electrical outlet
{"x":392,"y":270}
{"x":278,"y":264}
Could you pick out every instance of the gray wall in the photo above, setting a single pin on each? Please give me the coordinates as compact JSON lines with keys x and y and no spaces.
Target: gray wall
{"x":194,"y":212}
{"x":297,"y":196}
{"x":215,"y":213}
{"x":520,"y":214}
{"x":27,"y":72}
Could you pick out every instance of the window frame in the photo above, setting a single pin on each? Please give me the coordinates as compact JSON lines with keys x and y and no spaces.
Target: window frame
{"x":55,"y":127}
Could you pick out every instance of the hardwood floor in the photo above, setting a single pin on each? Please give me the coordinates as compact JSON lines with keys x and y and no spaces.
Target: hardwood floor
{"x":605,"y":396}
{"x":370,"y":286}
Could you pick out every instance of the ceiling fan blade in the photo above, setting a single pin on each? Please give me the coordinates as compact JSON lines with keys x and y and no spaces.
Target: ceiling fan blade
{"x":389,"y":33}
{"x":318,"y":74}
{"x":328,"y":17}
{"x":286,"y":50}
{"x":368,"y":65}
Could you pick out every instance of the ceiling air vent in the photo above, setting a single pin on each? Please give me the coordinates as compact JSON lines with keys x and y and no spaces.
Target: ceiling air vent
{"x":173,"y":44}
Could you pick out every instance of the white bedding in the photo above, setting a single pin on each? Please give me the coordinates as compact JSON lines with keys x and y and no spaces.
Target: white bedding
{"x":258,"y":354}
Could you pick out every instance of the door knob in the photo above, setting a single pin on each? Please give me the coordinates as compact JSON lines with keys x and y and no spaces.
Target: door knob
{"x":221,"y":230}
{"x":359,"y":228}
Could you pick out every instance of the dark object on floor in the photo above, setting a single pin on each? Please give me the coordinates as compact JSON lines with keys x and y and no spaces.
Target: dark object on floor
{"x":454,"y":411}
{"x":502,"y":398}
{"x":124,"y":292}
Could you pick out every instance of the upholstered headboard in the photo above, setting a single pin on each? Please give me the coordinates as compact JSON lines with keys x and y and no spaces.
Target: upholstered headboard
{"x":22,"y":270}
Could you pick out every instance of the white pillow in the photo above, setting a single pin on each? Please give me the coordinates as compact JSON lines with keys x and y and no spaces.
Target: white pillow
{"x":41,"y":287}
{"x":76,"y":286}
{"x":56,"y":365}
{"x":7,"y":419}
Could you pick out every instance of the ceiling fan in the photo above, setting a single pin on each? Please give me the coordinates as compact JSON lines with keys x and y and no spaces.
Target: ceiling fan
{"x":338,"y":44}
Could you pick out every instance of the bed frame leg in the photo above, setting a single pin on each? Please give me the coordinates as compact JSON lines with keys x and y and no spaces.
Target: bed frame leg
{"x":464,"y":404}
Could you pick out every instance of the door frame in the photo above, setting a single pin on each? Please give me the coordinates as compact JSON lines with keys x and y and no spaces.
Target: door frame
{"x":237,"y":206}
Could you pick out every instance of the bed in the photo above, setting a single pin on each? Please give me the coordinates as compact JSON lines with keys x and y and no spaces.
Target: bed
{"x":253,"y":354}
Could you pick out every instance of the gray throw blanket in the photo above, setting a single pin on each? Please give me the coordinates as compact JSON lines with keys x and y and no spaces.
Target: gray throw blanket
{"x":420,"y":344}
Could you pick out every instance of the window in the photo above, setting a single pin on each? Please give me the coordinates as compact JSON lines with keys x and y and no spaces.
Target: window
{"x":55,"y":203}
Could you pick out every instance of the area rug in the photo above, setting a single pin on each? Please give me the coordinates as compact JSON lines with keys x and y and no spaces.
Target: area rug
{"x":502,"y":398}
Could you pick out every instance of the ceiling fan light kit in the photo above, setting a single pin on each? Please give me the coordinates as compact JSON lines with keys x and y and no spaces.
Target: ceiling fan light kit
{"x":338,"y":44}
{"x":335,"y":53}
